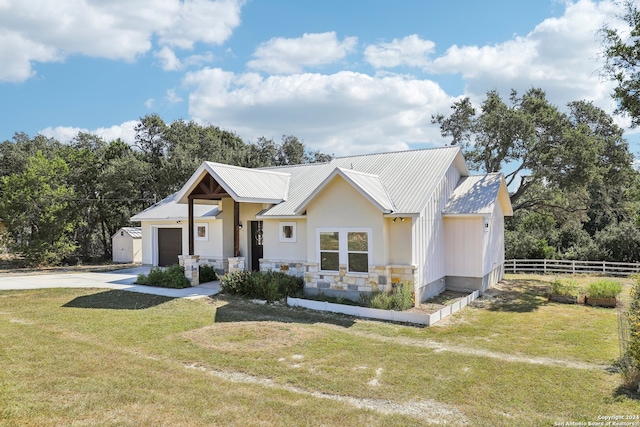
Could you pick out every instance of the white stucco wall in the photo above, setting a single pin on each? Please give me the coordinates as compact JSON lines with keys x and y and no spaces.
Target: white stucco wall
{"x":339,"y":205}
{"x":399,"y":237}
{"x":212,"y":246}
{"x":285,"y":251}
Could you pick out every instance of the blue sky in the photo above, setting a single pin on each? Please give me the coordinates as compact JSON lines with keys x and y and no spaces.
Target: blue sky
{"x":346,"y":77}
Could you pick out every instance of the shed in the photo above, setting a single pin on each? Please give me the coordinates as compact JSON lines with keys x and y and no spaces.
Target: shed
{"x":127,"y":245}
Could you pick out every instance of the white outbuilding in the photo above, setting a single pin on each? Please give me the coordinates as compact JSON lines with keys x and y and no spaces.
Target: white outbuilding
{"x":127,"y":245}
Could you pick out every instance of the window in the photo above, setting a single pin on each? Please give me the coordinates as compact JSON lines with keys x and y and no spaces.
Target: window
{"x":202,"y":232}
{"x":344,"y":246}
{"x":288,"y":232}
{"x":358,"y":251}
{"x":329,"y":250}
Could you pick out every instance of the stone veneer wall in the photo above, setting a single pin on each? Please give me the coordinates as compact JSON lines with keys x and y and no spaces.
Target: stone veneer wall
{"x":190,"y":265}
{"x":220,"y":265}
{"x":292,"y":268}
{"x":378,"y":278}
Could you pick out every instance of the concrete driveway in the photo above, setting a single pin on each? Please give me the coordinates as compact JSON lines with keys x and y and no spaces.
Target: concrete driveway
{"x":118,"y":279}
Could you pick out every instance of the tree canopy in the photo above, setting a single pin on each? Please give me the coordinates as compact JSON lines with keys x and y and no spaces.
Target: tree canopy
{"x":622,"y":55}
{"x":63,"y":202}
{"x":569,"y":172}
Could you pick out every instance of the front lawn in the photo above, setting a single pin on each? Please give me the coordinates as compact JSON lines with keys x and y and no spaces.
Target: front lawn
{"x":96,"y":357}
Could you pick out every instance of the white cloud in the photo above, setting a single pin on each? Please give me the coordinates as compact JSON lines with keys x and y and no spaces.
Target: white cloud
{"x":202,"y":21}
{"x":280,"y":55}
{"x":168,"y":59}
{"x":149,"y":102}
{"x":410,"y":50}
{"x":173,"y":98}
{"x":118,"y":29}
{"x":341,"y":113}
{"x":560,"y":55}
{"x":125,"y":131}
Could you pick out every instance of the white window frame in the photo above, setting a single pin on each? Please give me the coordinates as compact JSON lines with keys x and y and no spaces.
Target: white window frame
{"x":343,"y":252}
{"x":206,"y":231}
{"x":284,"y":239}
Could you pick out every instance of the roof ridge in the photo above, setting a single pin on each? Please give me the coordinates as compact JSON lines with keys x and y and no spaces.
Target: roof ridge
{"x":263,"y":170}
{"x":396,"y":152}
{"x":359,"y":155}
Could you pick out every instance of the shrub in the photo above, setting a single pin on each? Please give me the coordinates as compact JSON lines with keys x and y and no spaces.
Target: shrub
{"x":568,"y":287}
{"x":604,"y":289}
{"x":381,"y":300}
{"x":169,"y":277}
{"x":270,"y":285}
{"x":207,"y":273}
{"x":631,"y":358}
{"x":400,"y":298}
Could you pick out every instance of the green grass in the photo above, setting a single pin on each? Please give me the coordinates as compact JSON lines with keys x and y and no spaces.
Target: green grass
{"x":96,"y":357}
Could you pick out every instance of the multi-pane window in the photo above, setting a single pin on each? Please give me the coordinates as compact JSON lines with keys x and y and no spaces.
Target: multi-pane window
{"x":344,"y":246}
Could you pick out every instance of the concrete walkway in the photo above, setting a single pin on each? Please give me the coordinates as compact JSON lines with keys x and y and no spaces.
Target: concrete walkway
{"x":118,"y":279}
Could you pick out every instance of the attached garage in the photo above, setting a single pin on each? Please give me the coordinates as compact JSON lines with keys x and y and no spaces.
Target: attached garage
{"x":169,"y":246}
{"x":165,"y":231}
{"x":126,"y":245}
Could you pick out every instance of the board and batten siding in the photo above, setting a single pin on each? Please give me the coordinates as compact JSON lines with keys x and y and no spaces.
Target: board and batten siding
{"x":429,"y":234}
{"x":465,"y":242}
{"x":493,"y":245}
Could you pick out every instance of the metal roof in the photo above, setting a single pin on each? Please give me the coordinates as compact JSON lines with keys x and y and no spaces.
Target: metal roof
{"x":366,"y":184}
{"x":408,"y":178}
{"x":242,"y":184}
{"x":477,"y":195}
{"x":135,"y":232}
{"x":169,"y":208}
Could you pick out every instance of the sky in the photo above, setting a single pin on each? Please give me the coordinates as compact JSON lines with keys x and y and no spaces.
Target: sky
{"x":345,"y":77}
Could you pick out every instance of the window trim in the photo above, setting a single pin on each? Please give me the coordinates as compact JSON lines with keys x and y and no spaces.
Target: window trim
{"x":206,"y":231}
{"x":293,"y":237}
{"x":343,"y":249}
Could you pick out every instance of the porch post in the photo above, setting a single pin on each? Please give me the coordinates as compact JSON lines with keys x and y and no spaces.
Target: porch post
{"x":190,"y":223}
{"x":236,"y":229}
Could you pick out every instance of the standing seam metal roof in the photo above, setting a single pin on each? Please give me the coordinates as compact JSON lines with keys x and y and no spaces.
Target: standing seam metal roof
{"x":475,"y":195}
{"x":409,"y":177}
{"x":169,"y":208}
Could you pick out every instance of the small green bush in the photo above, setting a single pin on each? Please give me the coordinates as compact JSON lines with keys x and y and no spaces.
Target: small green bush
{"x":207,"y":273}
{"x":270,"y":285}
{"x":567,"y":287}
{"x":604,"y":289}
{"x":400,"y":298}
{"x":169,"y":277}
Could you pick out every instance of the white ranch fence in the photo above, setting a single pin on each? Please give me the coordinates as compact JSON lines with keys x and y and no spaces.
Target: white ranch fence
{"x":571,"y":267}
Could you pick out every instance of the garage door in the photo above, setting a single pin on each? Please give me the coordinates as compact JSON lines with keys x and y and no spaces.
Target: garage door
{"x":169,"y":245}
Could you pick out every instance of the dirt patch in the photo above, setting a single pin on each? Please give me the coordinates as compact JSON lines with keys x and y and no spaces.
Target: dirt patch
{"x":438,"y":302}
{"x":438,"y":346}
{"x":243,"y":336}
{"x":434,"y":412}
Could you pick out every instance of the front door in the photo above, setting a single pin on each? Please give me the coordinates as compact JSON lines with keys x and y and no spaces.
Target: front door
{"x":169,"y":246}
{"x":256,"y":244}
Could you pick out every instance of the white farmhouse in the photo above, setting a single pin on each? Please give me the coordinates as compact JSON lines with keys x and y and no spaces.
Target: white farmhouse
{"x":351,"y":225}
